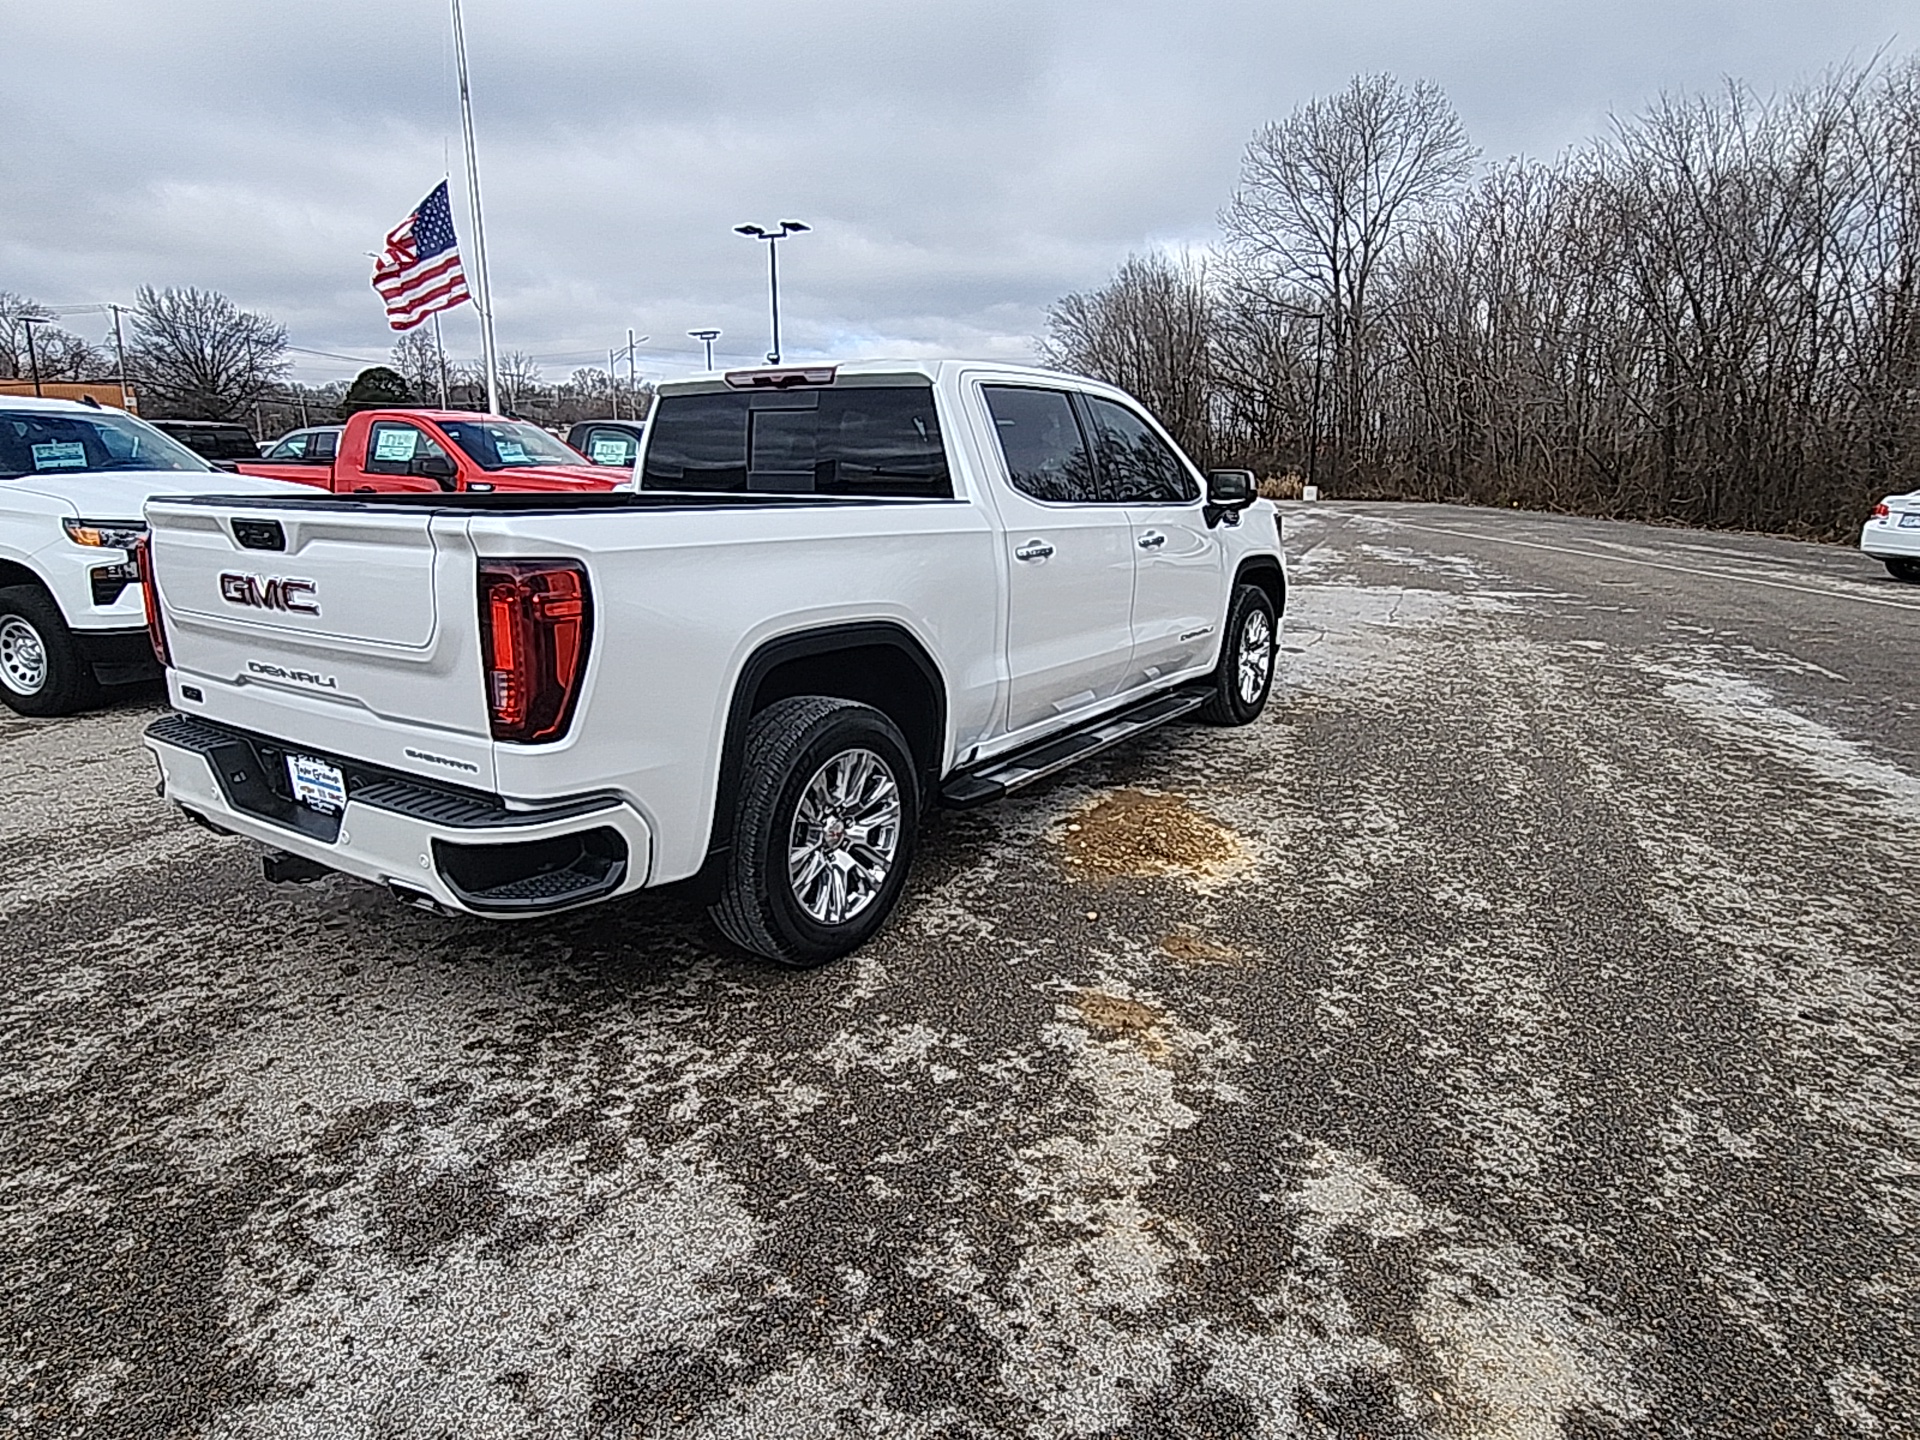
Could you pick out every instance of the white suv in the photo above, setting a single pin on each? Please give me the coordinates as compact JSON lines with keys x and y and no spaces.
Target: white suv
{"x":73,"y":481}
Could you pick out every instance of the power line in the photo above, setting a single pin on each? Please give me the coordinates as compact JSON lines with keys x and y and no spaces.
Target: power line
{"x":333,"y":355}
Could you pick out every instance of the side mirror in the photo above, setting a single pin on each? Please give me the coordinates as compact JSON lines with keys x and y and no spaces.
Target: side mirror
{"x":1228,"y":493}
{"x":436,"y":467}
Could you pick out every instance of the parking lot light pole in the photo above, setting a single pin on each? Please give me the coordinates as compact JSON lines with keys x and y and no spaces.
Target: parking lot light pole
{"x":707,"y":337}
{"x":773,"y":239}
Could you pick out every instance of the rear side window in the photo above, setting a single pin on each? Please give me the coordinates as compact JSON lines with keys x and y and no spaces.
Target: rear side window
{"x":1045,"y":453}
{"x":326,"y":444}
{"x":605,"y":445}
{"x":878,"y":440}
{"x":1138,"y":466}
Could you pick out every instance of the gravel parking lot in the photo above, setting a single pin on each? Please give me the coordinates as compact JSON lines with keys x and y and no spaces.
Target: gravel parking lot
{"x":1512,"y":1035}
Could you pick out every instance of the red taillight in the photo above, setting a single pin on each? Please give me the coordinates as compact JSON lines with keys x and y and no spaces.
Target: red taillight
{"x":536,"y":619}
{"x":1880,"y":511}
{"x":150,"y":595}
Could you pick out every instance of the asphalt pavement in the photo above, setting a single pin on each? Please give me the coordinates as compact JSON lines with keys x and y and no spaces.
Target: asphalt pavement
{"x":1513,"y":1034}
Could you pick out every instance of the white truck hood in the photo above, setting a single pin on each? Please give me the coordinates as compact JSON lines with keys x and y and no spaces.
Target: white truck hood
{"x":123,"y":494}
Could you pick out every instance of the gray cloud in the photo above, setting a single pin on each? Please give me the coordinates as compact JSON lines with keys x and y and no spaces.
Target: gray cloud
{"x":963,"y":163}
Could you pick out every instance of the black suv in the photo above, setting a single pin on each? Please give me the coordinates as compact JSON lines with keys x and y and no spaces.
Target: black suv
{"x":213,"y":439}
{"x":608,"y":442}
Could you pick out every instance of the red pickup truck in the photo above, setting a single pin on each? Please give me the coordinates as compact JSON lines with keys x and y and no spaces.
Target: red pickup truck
{"x":442,"y":450}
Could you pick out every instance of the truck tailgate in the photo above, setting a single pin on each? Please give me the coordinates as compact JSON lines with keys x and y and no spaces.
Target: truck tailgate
{"x":353,"y":631}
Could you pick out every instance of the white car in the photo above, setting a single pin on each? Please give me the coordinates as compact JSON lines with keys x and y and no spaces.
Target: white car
{"x":1892,"y":535}
{"x":839,"y":595}
{"x":73,"y":481}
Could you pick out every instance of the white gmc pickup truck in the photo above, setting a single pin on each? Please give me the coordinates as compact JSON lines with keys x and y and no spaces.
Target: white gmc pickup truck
{"x":835,"y":596}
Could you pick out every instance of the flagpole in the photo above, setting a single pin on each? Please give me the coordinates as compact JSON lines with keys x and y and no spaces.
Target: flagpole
{"x":440,"y":350}
{"x":485,"y":297}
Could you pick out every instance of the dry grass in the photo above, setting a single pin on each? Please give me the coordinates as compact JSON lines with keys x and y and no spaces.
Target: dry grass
{"x":1115,"y":1017}
{"x":1133,"y":832}
{"x":1194,"y":949}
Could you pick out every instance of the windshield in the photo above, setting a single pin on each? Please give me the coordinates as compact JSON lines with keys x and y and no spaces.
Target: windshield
{"x":496,"y":444}
{"x":39,"y":442}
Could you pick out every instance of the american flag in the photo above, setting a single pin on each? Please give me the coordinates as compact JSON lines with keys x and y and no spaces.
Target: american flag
{"x":420,"y":273}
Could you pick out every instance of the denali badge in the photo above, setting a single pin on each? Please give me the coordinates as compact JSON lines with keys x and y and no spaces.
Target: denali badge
{"x":265,"y":594}
{"x":298,"y":677}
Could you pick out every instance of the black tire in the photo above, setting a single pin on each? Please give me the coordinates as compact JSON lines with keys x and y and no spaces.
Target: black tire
{"x":1904,"y":569}
{"x":763,"y":907}
{"x":1240,"y":689}
{"x":42,"y":672}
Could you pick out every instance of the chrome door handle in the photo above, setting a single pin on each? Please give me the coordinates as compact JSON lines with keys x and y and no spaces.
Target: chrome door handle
{"x":1033,"y":550}
{"x":1151,"y":539}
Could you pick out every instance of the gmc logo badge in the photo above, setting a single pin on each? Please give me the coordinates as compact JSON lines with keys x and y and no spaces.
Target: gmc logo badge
{"x":265,"y":594}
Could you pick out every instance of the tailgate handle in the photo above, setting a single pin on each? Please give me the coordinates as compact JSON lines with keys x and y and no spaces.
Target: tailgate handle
{"x":259,"y":534}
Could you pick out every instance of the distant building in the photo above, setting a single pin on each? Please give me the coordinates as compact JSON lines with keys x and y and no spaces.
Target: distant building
{"x":106,"y":392}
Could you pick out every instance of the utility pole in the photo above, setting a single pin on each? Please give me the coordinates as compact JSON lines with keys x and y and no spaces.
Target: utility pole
{"x":708,"y":336}
{"x":120,"y":356}
{"x":773,"y":239}
{"x":613,"y":381}
{"x":633,"y":387}
{"x":27,"y":322}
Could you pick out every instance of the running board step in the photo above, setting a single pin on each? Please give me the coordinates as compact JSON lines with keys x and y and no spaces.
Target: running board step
{"x":1001,"y":777}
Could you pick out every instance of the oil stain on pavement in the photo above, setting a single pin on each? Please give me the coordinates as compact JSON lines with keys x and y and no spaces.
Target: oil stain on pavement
{"x":1511,"y":1035}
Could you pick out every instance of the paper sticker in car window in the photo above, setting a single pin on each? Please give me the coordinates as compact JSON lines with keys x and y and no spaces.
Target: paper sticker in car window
{"x":395,"y":444}
{"x":512,"y":452}
{"x":610,"y":452}
{"x":60,"y":455}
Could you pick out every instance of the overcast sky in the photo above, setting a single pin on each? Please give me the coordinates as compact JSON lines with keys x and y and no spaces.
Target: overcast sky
{"x":962,"y":163}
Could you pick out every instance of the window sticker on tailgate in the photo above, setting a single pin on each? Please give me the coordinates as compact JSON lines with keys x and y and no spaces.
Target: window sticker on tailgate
{"x":60,"y":455}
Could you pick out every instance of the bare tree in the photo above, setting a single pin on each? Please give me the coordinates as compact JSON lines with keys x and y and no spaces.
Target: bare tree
{"x":519,"y":375}
{"x":197,"y":355}
{"x":1712,"y":314}
{"x":1146,"y":331}
{"x":1324,"y":197}
{"x":420,"y":361}
{"x":61,"y":354}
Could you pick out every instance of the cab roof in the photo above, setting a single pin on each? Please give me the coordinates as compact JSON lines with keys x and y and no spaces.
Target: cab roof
{"x":755,"y":377}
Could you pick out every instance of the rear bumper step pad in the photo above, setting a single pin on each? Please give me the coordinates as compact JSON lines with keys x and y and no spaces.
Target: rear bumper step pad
{"x":471,"y":851}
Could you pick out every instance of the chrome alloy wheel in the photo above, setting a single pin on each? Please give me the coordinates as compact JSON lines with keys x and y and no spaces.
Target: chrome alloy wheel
{"x":845,"y":832}
{"x":1256,"y":656}
{"x":23,"y":657}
